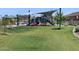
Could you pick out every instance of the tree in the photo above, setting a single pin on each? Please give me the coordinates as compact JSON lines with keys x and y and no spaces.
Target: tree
{"x":18,"y":19}
{"x":1,"y":25}
{"x":5,"y":22}
{"x":59,"y":17}
{"x":11,"y":22}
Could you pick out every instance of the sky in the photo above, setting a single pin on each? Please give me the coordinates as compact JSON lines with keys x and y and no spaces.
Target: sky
{"x":23,"y":11}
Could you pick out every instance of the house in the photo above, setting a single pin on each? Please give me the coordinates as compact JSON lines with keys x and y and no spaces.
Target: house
{"x":72,"y":19}
{"x":23,"y":20}
{"x":11,"y":19}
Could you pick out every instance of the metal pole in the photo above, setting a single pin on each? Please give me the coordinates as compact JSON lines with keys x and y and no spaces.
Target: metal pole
{"x":60,"y":18}
{"x":17,"y":16}
{"x":29,"y":18}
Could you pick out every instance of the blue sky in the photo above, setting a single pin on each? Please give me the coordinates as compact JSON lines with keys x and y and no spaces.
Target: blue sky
{"x":14,"y":11}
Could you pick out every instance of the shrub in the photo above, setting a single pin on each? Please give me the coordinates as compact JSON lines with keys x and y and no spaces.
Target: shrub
{"x":77,"y":29}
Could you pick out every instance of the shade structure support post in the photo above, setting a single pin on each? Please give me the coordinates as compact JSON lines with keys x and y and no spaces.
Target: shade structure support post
{"x":29,"y":18}
{"x":60,"y":18}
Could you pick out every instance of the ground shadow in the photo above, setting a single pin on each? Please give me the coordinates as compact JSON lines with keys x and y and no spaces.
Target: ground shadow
{"x":57,"y":28}
{"x":3,"y":34}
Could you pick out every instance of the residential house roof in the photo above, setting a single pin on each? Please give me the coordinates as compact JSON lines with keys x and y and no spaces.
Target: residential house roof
{"x":74,"y":14}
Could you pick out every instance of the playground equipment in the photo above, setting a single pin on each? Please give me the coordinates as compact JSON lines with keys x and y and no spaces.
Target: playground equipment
{"x":47,"y":18}
{"x":44,"y":19}
{"x":41,"y":21}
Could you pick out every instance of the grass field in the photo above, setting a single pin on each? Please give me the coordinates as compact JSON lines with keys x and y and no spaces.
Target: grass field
{"x":39,"y":38}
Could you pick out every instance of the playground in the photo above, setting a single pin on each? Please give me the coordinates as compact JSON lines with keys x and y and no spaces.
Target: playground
{"x":37,"y":34}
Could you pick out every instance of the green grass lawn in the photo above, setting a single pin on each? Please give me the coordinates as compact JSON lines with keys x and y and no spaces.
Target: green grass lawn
{"x":37,"y":38}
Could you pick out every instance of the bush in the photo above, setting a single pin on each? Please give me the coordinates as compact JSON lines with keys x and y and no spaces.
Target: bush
{"x":77,"y":29}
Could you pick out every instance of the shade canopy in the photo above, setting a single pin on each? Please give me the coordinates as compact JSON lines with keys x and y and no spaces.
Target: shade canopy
{"x":48,"y":12}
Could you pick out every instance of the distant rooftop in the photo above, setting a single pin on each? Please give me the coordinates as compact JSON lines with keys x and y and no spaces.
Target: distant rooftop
{"x":73,"y":14}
